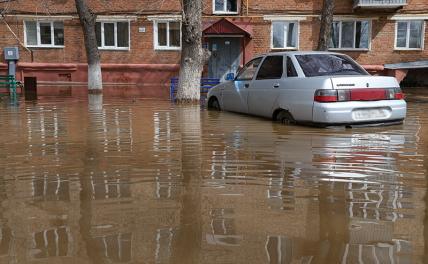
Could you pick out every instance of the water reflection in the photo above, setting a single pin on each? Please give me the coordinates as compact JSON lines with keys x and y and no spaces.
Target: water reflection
{"x":121,"y":181}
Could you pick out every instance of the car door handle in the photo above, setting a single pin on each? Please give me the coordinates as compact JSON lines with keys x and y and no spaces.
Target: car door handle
{"x":246,"y":85}
{"x":276,"y":85}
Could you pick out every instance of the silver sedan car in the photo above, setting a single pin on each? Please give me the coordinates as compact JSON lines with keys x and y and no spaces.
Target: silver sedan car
{"x":322,"y":88}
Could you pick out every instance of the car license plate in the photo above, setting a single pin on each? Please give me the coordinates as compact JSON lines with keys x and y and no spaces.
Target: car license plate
{"x":370,"y":114}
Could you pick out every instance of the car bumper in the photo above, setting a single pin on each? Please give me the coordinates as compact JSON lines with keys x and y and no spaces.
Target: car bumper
{"x":384,"y":111}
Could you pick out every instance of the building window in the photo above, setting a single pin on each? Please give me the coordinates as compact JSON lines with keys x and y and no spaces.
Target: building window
{"x":350,"y":35}
{"x":113,"y":35}
{"x":285,"y":35}
{"x":46,"y":34}
{"x":167,"y":35}
{"x":225,"y":6}
{"x":409,"y":34}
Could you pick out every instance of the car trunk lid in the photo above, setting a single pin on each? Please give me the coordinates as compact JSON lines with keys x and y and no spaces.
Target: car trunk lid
{"x":364,"y":82}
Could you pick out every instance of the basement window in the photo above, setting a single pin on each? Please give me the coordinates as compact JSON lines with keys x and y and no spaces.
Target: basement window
{"x":167,"y":35}
{"x":113,"y":35}
{"x":225,"y":6}
{"x":350,"y":35}
{"x":44,"y":34}
{"x":285,"y":35}
{"x":409,"y":35}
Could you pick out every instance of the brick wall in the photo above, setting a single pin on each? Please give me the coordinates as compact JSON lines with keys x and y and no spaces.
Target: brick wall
{"x":142,"y":46}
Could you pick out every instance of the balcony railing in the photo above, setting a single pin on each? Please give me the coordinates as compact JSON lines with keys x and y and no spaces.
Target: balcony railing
{"x":389,"y":4}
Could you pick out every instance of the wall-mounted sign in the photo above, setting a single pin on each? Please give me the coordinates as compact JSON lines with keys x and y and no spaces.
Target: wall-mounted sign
{"x":227,"y":42}
{"x":142,"y":29}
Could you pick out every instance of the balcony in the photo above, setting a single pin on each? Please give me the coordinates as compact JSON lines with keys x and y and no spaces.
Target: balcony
{"x":379,"y":4}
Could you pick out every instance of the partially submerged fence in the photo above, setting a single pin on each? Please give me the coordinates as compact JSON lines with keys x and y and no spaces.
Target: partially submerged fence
{"x":206,"y":85}
{"x":9,"y":82}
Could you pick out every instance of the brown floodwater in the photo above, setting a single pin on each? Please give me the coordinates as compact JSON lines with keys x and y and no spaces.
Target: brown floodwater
{"x":125,"y":180}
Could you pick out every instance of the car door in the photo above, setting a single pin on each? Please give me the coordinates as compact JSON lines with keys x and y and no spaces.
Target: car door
{"x":264,"y":90}
{"x":297,"y":94}
{"x":235,"y":94}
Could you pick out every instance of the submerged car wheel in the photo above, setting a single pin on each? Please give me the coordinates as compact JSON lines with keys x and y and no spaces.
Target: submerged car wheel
{"x":213,"y":104}
{"x":285,"y":118}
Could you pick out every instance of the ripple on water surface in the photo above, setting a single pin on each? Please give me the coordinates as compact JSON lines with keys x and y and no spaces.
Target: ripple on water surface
{"x":144,"y":181}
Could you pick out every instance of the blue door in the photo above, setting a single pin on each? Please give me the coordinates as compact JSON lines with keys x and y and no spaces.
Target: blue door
{"x":225,"y":56}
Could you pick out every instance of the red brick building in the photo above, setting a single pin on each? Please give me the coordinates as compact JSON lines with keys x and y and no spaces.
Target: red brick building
{"x":140,"y":40}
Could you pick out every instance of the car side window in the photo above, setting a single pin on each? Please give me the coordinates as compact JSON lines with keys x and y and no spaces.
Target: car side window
{"x":291,"y":71}
{"x":272,"y":68}
{"x":247,"y":73}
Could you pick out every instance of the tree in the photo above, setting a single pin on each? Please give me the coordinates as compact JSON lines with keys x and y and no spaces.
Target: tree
{"x":326,"y":21}
{"x":88,"y":21}
{"x":193,"y":56}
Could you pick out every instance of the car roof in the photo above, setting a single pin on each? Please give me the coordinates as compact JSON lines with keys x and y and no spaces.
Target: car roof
{"x":293,"y":53}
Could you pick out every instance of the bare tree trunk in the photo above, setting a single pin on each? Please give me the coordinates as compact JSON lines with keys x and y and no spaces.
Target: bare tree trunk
{"x":192,"y":55}
{"x":326,"y":22}
{"x":88,"y":21}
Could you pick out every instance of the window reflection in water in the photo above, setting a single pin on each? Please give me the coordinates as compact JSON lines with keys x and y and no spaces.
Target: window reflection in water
{"x":115,"y":130}
{"x":280,"y":190}
{"x":279,"y":250}
{"x":43,"y":131}
{"x":163,"y":245}
{"x":49,"y":188}
{"x":105,"y":187}
{"x":223,"y":231}
{"x":395,"y":252}
{"x":116,"y":248}
{"x":5,"y":240}
{"x":369,"y":202}
{"x":163,"y":145}
{"x":52,"y":243}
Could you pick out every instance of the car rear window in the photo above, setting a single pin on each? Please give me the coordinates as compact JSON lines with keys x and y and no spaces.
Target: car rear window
{"x":328,"y":64}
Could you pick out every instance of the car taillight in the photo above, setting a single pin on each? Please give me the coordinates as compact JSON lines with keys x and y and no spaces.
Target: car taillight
{"x":325,"y":96}
{"x":399,"y":95}
{"x":345,"y":95}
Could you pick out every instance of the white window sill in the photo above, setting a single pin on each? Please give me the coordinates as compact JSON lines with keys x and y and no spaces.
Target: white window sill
{"x":225,"y":13}
{"x":113,"y":49}
{"x":408,"y":49}
{"x":168,"y":48}
{"x":348,"y":49}
{"x":45,"y":47}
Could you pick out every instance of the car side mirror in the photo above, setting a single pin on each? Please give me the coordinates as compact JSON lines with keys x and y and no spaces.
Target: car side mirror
{"x":230,"y":76}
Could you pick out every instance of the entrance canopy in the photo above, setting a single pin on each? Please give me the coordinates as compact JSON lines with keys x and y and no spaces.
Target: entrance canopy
{"x":227,"y":27}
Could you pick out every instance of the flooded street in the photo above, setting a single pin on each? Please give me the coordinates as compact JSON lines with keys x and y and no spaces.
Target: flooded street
{"x":144,"y":181}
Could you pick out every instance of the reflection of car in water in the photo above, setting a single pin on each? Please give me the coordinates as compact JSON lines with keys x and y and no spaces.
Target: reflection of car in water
{"x":311,"y":87}
{"x":332,"y":153}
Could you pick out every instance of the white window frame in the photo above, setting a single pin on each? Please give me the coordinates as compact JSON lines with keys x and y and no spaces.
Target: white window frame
{"x":286,"y":35}
{"x":115,"y":47}
{"x":224,"y":11}
{"x":155,"y":34}
{"x":408,"y":35}
{"x":39,"y":45}
{"x":355,"y":28}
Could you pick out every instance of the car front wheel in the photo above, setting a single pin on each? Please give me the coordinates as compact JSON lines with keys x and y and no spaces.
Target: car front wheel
{"x":213,"y":104}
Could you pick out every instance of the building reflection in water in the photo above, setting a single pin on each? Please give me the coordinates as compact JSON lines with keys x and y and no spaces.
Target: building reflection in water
{"x":130,"y":183}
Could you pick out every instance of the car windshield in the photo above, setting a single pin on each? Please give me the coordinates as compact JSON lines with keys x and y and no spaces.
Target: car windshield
{"x":328,"y":64}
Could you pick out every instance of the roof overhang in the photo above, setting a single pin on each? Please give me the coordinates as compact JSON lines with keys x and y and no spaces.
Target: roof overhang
{"x":225,"y":26}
